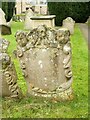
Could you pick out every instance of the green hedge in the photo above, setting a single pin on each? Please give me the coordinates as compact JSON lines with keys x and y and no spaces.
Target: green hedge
{"x":8,"y":8}
{"x":79,"y":11}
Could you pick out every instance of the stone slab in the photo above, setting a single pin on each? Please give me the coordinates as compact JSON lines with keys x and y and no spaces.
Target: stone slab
{"x":48,"y":20}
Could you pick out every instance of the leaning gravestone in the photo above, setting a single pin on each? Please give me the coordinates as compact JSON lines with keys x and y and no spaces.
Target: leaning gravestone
{"x":2,"y":17}
{"x":45,"y":58}
{"x":69,"y":24}
{"x":28,"y":21}
{"x":8,"y":76}
{"x":4,"y":28}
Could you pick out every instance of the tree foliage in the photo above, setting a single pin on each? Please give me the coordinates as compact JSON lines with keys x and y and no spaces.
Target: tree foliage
{"x":8,"y":8}
{"x":79,"y":11}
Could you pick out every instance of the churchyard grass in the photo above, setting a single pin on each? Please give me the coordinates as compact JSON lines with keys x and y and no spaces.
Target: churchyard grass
{"x":41,"y":108}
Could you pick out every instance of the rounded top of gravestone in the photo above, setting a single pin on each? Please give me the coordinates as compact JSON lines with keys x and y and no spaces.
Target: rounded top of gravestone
{"x":69,"y":19}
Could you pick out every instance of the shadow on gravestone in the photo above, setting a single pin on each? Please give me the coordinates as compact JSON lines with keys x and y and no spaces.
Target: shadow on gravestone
{"x":8,"y":79}
{"x":45,"y":58}
{"x":5,"y":30}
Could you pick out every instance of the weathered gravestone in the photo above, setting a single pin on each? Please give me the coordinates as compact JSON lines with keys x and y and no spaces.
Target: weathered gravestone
{"x":45,"y":58}
{"x":69,"y":24}
{"x":4,"y":28}
{"x":8,"y":76}
{"x":28,"y":21}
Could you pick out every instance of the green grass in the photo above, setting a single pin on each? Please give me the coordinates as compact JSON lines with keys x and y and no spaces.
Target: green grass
{"x":35,"y":108}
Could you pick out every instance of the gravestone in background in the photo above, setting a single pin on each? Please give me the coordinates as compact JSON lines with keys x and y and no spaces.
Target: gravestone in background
{"x":69,"y":24}
{"x":45,"y":59}
{"x":48,"y":20}
{"x":4,"y":28}
{"x":8,"y":76}
{"x":28,"y":21}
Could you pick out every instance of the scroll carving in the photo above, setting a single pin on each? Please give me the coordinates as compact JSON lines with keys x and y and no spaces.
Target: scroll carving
{"x":45,"y":57}
{"x":9,"y":76}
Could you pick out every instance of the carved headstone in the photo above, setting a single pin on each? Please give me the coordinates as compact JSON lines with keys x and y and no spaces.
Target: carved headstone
{"x":45,"y":58}
{"x":69,"y":24}
{"x":8,"y":76}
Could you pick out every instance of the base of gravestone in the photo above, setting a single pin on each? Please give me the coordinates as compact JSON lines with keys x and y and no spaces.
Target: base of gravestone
{"x":66,"y":95}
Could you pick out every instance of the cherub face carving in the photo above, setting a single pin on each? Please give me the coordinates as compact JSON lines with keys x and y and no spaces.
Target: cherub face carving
{"x":21,"y":38}
{"x":41,"y":31}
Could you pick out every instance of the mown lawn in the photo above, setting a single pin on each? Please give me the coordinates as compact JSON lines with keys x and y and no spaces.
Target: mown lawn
{"x":35,"y":108}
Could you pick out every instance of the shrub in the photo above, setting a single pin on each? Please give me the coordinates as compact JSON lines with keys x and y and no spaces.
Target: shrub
{"x":8,"y":8}
{"x":79,"y":11}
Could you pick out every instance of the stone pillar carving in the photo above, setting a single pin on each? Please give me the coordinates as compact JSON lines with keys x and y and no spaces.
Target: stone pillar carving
{"x":8,"y":79}
{"x":45,"y":58}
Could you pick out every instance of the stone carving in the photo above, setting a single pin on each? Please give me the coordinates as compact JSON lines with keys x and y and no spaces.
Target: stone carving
{"x":8,"y":74}
{"x":45,"y":58}
{"x":69,"y":24}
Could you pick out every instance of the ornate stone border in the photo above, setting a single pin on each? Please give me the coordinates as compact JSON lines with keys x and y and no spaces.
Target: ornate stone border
{"x":43,"y":37}
{"x":9,"y":75}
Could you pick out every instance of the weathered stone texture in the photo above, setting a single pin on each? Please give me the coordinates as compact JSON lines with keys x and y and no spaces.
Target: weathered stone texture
{"x":8,"y":79}
{"x":45,"y":58}
{"x":69,"y":23}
